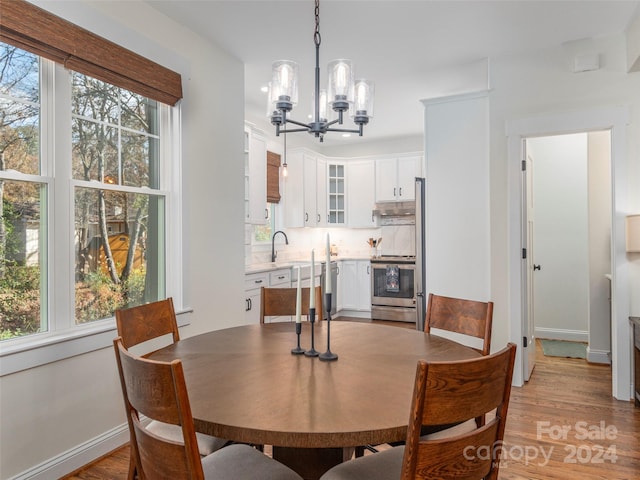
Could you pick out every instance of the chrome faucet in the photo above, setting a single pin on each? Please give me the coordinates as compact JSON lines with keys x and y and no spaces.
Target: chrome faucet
{"x":274,"y":254}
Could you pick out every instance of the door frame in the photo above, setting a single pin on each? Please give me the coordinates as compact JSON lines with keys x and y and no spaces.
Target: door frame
{"x":615,"y":119}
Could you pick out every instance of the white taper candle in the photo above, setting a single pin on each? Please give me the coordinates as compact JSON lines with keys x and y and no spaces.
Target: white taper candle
{"x":298,"y":298}
{"x":312,"y":290}
{"x":327,"y":280}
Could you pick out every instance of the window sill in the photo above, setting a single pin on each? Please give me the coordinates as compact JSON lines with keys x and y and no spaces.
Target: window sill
{"x":37,"y":350}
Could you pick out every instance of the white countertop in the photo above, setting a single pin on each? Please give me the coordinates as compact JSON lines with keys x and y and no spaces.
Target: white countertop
{"x":269,"y":266}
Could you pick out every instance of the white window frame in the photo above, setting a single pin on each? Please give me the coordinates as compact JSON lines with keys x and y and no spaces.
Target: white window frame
{"x":64,"y":338}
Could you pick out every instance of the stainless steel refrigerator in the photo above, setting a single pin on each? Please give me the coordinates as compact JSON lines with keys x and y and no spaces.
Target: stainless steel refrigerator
{"x":420,"y":274}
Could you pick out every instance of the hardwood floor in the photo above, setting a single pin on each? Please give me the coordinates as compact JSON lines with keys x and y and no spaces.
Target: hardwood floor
{"x":563,"y":424}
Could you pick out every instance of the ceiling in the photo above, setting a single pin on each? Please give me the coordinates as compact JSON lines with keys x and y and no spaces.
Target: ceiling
{"x":398,"y":44}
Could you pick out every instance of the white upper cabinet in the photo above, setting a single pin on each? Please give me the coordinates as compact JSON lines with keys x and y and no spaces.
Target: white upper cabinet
{"x":395,"y":178}
{"x":315,"y":188}
{"x":255,"y":177}
{"x":361,"y":193}
{"x":293,"y":198}
{"x":305,"y":187}
{"x":336,"y":193}
{"x":323,"y":191}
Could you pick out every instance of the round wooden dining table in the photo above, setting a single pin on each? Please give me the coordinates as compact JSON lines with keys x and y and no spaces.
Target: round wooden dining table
{"x":245,"y":385}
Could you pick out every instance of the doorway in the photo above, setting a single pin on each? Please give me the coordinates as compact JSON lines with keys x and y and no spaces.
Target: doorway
{"x":614,"y":119}
{"x":567,"y":218}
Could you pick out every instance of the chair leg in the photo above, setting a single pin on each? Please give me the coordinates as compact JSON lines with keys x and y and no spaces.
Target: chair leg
{"x":133,"y":471}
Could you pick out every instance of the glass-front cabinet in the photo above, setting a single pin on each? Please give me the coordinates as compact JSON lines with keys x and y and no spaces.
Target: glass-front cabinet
{"x":336,"y":211}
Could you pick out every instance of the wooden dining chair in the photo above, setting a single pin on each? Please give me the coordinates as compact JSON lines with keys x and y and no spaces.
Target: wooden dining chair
{"x":447,"y":393}
{"x":282,"y":301}
{"x":148,"y":323}
{"x":466,"y":317}
{"x":157,"y":390}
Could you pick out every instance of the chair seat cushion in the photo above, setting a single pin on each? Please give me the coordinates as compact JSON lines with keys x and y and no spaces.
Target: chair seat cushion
{"x":384,"y":465}
{"x":207,"y":444}
{"x":242,"y":462}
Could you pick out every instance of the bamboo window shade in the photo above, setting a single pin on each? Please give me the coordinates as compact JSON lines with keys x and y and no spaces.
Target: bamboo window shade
{"x":273,"y":177}
{"x":40,"y":32}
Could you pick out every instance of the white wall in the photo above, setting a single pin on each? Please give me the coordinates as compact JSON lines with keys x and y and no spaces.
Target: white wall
{"x":55,"y":413}
{"x":457,"y":197}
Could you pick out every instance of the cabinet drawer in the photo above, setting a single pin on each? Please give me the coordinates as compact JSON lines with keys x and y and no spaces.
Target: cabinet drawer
{"x":256,"y":280}
{"x":280,"y":277}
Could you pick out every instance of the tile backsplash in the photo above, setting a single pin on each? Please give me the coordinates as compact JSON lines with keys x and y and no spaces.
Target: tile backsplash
{"x":350,"y":242}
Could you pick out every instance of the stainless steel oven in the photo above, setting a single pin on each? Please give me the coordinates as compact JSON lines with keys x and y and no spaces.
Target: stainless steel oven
{"x":393,"y":294}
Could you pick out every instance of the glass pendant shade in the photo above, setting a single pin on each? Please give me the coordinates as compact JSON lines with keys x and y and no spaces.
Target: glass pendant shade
{"x":340,"y":88}
{"x":270,"y":104}
{"x":323,"y":117}
{"x":363,"y":102}
{"x":284,"y":82}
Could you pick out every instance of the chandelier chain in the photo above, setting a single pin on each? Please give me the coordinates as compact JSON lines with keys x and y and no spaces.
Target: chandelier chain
{"x":316,"y":34}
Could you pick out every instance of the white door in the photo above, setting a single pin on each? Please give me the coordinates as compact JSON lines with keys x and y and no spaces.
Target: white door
{"x":529,"y":342}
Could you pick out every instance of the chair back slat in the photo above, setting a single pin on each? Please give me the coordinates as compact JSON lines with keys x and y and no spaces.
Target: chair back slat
{"x":282,"y":301}
{"x":447,"y":393}
{"x":454,"y":459}
{"x":158,"y":391}
{"x":145,"y":322}
{"x":160,"y":459}
{"x":468,"y":317}
{"x":462,"y":390}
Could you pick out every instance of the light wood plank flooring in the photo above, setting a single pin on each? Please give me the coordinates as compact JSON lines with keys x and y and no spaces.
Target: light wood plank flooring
{"x":563,"y":424}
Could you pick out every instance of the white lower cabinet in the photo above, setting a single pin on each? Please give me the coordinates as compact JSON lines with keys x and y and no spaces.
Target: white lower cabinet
{"x":253,"y":282}
{"x":364,"y":285}
{"x":355,"y":285}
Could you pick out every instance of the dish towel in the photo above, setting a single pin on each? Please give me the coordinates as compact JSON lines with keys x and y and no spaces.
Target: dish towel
{"x":393,"y":278}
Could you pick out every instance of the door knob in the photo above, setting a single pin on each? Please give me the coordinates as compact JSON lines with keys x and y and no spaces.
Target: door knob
{"x":536,"y":267}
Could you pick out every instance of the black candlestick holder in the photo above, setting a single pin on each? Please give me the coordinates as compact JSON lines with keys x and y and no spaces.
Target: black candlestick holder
{"x":312,"y":352}
{"x":328,"y":356}
{"x":297,"y":350}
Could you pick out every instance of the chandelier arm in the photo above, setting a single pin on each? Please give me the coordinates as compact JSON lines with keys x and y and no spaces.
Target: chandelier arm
{"x":295,"y":122}
{"x":294,"y":130}
{"x":345,"y":130}
{"x":332,"y":122}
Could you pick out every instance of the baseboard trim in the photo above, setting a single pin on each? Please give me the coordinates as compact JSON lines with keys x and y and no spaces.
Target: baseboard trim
{"x":77,"y":457}
{"x":561,"y":334}
{"x":598,"y":356}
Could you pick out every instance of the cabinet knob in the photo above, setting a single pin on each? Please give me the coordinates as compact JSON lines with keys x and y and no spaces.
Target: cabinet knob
{"x":400,"y":191}
{"x":306,"y":217}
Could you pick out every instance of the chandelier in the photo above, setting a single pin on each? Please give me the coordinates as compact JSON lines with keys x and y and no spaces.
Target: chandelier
{"x":342,"y":94}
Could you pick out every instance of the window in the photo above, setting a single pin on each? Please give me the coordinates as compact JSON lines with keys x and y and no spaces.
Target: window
{"x":262,"y":233}
{"x":115,"y":141}
{"x":83,"y":178}
{"x":24,"y":192}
